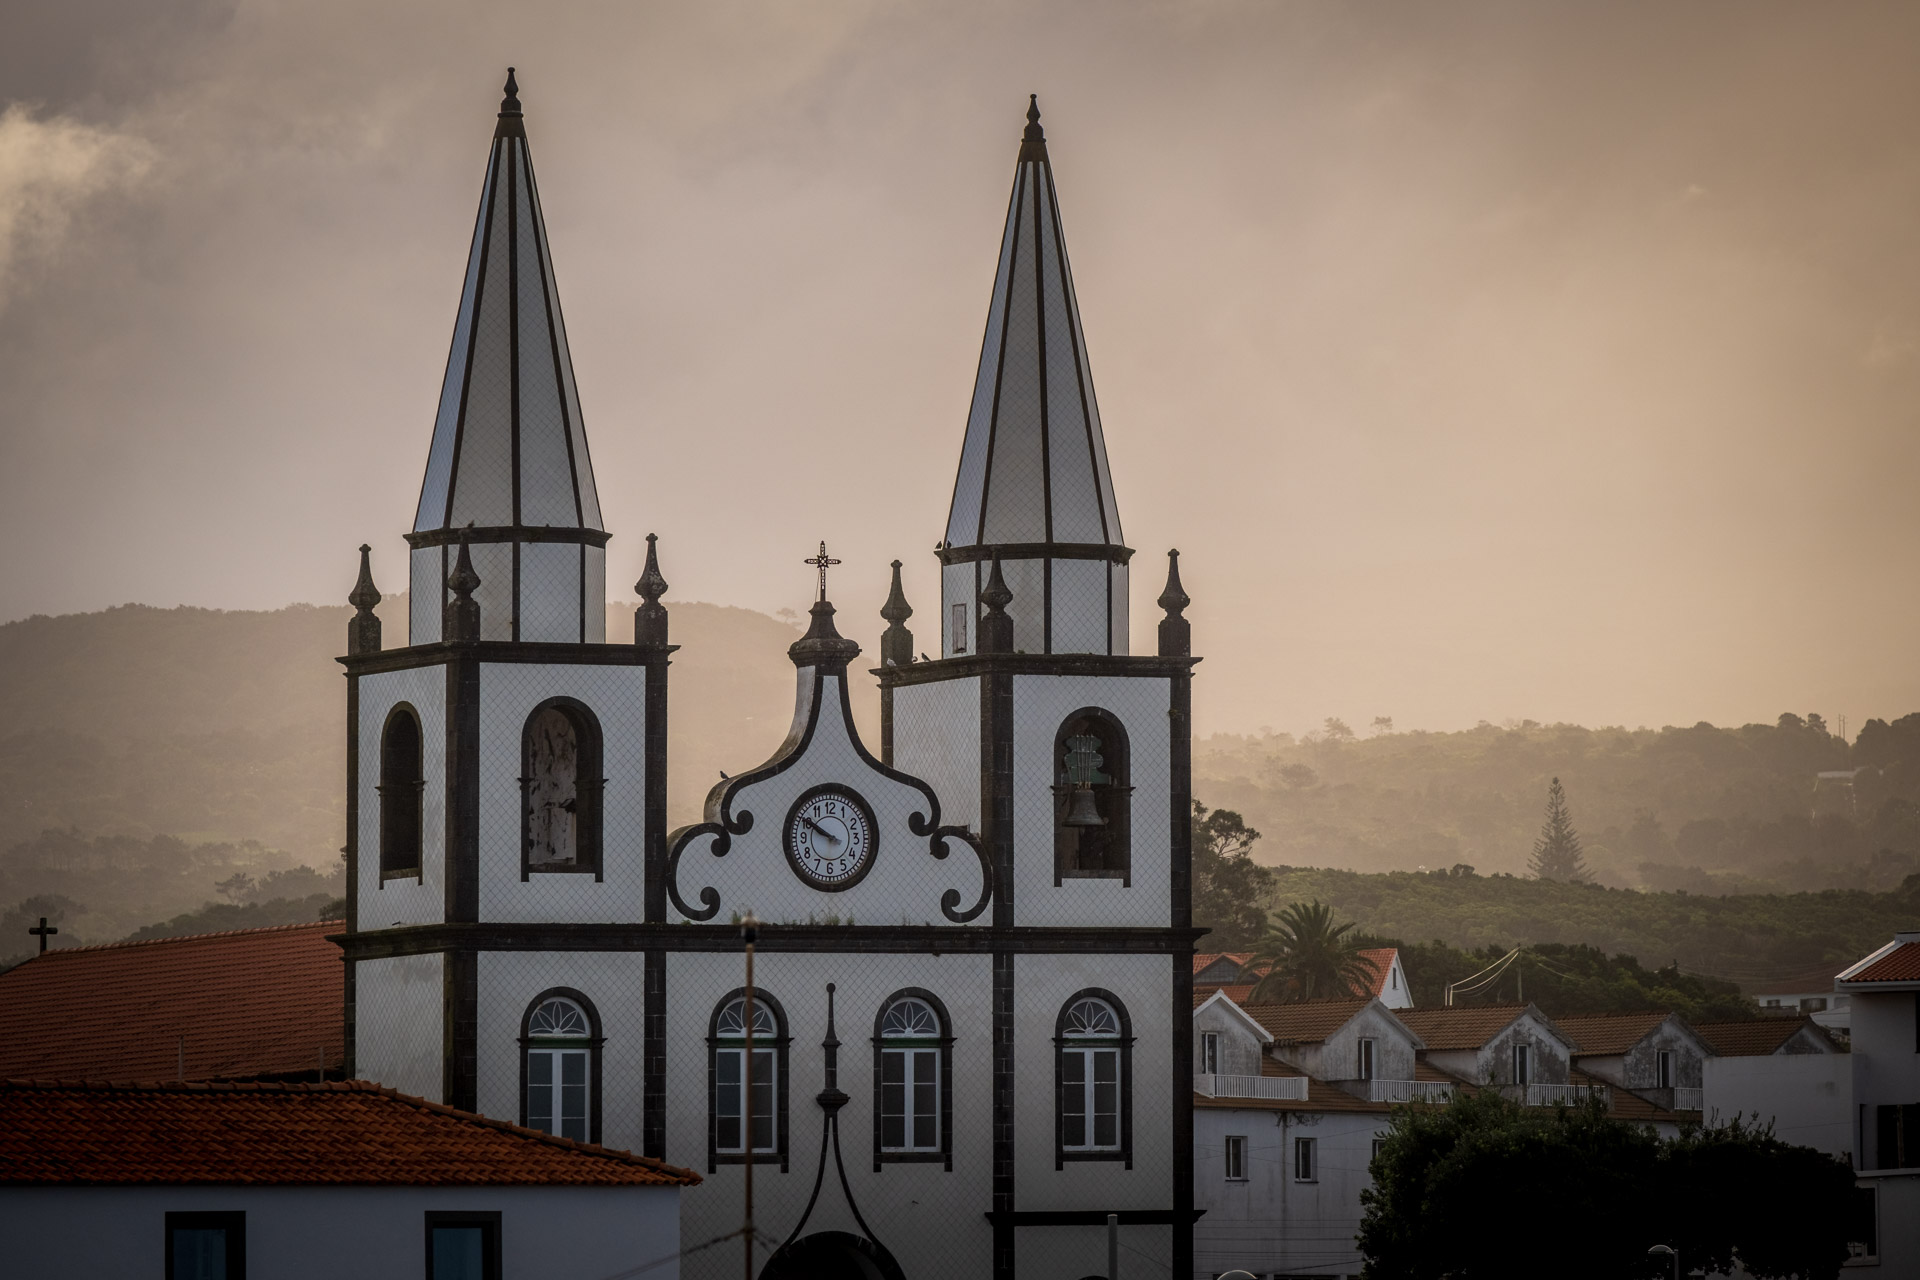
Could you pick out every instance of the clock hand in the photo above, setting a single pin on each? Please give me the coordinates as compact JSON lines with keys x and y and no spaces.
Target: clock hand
{"x":820,"y":830}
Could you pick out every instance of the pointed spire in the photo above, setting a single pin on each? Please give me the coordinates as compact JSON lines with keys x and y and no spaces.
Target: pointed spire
{"x":896,"y":643}
{"x":1176,"y":633}
{"x":462,"y":624}
{"x":996,"y":628}
{"x":363,"y":629}
{"x":831,"y":1099}
{"x":650,"y":619}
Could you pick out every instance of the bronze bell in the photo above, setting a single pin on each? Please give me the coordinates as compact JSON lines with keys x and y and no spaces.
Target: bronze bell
{"x":1082,"y":810}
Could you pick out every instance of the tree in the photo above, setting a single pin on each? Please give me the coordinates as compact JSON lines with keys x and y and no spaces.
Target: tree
{"x":1337,"y":730}
{"x":1556,"y":854}
{"x":1382,"y":724}
{"x":1591,"y":1193}
{"x":1229,"y":887}
{"x":1307,"y":957}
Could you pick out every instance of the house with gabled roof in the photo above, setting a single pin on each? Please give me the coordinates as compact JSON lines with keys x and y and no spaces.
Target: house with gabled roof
{"x":1654,"y":1054}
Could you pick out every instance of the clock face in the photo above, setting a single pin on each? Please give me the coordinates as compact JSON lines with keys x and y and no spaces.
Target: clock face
{"x":830,"y":837}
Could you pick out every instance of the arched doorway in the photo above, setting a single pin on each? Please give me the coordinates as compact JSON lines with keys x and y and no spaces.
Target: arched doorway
{"x":832,"y":1255}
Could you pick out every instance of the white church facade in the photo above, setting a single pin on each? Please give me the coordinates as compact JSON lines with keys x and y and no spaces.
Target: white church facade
{"x":970,"y":1031}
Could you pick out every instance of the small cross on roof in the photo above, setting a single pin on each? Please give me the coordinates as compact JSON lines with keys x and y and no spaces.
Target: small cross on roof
{"x":821,"y":561}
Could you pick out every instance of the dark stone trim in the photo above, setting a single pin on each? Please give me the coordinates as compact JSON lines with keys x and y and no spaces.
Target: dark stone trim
{"x":460,"y":1030}
{"x":1124,"y":1043}
{"x":945,"y":1154}
{"x":1034,"y":664}
{"x":996,"y":788}
{"x":1098,"y":1218}
{"x":654,"y":823}
{"x":509,"y":533}
{"x":490,"y":209}
{"x":782,"y":1040}
{"x":516,"y":158}
{"x":974,"y":553}
{"x":596,"y":1038}
{"x":462,"y":818}
{"x":999,"y":365}
{"x":352,"y":851}
{"x":590,"y":787}
{"x":653,"y":1065}
{"x":1040,"y":366}
{"x":557,"y":652}
{"x":1180,"y":845}
{"x":393,"y":862}
{"x":937,"y":940}
{"x":1002,"y":1122}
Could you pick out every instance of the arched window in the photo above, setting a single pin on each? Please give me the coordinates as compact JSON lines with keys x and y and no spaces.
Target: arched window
{"x":560,"y":1065}
{"x":1092,"y":799}
{"x":1093,"y":1079}
{"x":402,"y":788}
{"x":561,"y":789}
{"x":728,"y":1082}
{"x":912,"y":1080}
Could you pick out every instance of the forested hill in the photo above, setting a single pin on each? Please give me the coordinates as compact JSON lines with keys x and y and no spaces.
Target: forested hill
{"x":1701,"y":809}
{"x":229,"y":727}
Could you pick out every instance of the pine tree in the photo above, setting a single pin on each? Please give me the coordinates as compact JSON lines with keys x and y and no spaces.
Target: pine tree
{"x":1556,"y":854}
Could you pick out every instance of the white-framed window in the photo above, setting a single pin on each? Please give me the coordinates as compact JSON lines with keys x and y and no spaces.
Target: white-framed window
{"x":910,"y":1036}
{"x":1236,"y":1153}
{"x":730,"y":1075}
{"x":1090,"y":1077}
{"x":559,"y":1049}
{"x":1209,"y":1053}
{"x":1366,"y":1058}
{"x":1306,"y":1159}
{"x":1379,"y":1145}
{"x":1663,"y":1069}
{"x":1523,"y":1064}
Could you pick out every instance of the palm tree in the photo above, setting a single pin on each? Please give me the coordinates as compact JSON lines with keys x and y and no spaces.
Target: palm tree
{"x":1308,"y":957}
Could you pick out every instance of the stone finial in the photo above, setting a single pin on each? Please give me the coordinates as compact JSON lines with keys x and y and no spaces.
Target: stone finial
{"x":363,"y":629}
{"x":996,"y":628}
{"x":511,"y":125}
{"x":1176,"y":633}
{"x":1033,"y":143}
{"x":896,"y":643}
{"x":462,"y":621}
{"x":510,"y":105}
{"x":650,"y":619}
{"x":823,"y":645}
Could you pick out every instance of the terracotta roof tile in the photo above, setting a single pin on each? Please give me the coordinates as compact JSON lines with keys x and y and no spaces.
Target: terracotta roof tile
{"x":1753,"y":1038}
{"x":1624,"y":1104}
{"x":1461,"y":1027}
{"x":1902,"y":964}
{"x":1381,"y":958}
{"x":254,"y":1002}
{"x":352,"y":1132}
{"x":1609,"y":1033}
{"x":1305,"y":1021}
{"x":1202,"y":959}
{"x":1321,"y":1096}
{"x":1236,"y":992}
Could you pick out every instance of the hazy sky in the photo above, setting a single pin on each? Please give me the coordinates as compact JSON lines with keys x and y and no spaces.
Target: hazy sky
{"x":1483,"y":360}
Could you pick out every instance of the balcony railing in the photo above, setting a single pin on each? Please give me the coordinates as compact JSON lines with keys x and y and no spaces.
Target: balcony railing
{"x":1689,"y":1099}
{"x":1552,"y":1095}
{"x":1407,"y":1090}
{"x":1274,"y":1088}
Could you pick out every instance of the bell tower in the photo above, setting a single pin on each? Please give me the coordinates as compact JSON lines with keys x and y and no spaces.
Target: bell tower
{"x":507,"y":766}
{"x":1070,"y":757}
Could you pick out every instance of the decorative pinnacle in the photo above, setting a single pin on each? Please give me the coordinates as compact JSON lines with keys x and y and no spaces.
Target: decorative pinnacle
{"x":650,"y":619}
{"x":651,"y":585}
{"x":1033,"y":114}
{"x":995,"y":594}
{"x":460,"y":624}
{"x":365,"y":594}
{"x":896,"y":642}
{"x":463,"y":580}
{"x":1174,"y":598}
{"x":1033,"y":143}
{"x":510,"y":105}
{"x":896,"y":610}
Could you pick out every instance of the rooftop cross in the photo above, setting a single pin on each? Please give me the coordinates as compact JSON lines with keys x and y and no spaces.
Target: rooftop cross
{"x":821,"y":561}
{"x":43,"y":932}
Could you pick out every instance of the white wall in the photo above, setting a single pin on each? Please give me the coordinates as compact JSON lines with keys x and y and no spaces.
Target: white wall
{"x":1338,"y":1058}
{"x":1886,"y":1070}
{"x":411,"y":901}
{"x":1899,"y":1220}
{"x":1807,"y":1097}
{"x":322,"y":1233}
{"x":936,"y":738}
{"x":1269,"y":1222}
{"x":398,"y":1004}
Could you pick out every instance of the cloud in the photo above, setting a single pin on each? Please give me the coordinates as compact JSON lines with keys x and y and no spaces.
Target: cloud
{"x":50,"y":171}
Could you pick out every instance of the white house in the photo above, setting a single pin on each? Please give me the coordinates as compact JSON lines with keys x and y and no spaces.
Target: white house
{"x":1656,"y":1055}
{"x":1784,"y":1072}
{"x":967,"y":1039}
{"x":1885,"y":996}
{"x":299,"y":1181}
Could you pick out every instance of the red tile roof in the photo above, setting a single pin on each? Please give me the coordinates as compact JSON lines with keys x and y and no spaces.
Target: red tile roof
{"x":1609,"y":1033}
{"x":1202,"y":959}
{"x":1306,"y":1021}
{"x":254,"y":1002}
{"x":1236,"y":992}
{"x":1902,"y":964}
{"x":1624,"y":1104}
{"x":1460,"y":1027}
{"x":344,"y":1133}
{"x":1754,"y":1038}
{"x":1381,"y":958}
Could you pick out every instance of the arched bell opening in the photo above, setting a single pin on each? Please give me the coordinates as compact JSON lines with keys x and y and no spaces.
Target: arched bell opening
{"x":1092,"y":799}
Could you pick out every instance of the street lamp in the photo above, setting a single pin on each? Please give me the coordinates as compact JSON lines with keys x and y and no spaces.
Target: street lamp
{"x":1661,"y":1250}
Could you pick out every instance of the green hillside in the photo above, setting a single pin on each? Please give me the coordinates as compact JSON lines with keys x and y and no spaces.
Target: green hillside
{"x":1705,"y":809}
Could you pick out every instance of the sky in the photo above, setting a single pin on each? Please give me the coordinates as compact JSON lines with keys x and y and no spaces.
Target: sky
{"x":1483,"y":360}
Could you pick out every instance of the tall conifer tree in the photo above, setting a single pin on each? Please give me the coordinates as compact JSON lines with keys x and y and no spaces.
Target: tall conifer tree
{"x":1556,"y":854}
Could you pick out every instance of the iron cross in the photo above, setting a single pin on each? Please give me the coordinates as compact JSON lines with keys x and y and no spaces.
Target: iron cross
{"x":821,"y":561}
{"x":42,"y":933}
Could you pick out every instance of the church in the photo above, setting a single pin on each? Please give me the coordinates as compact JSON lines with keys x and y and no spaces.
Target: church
{"x":966,"y":1042}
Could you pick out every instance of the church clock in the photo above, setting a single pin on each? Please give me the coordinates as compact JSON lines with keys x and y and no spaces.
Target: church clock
{"x":830,"y":837}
